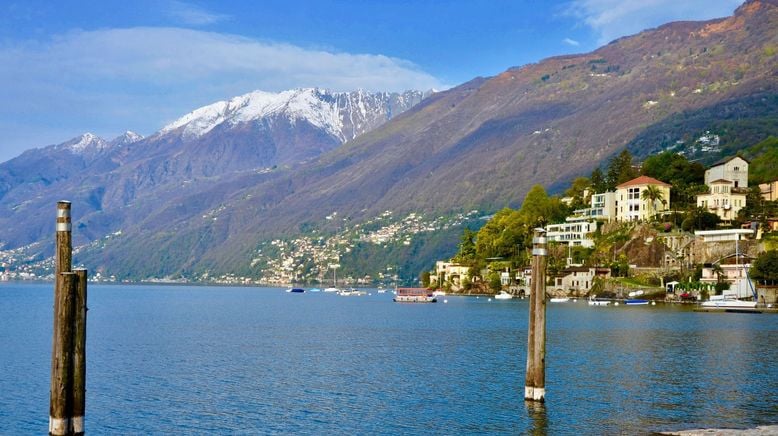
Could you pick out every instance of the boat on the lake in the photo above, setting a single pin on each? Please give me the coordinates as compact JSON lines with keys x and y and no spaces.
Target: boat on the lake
{"x":635,"y":302}
{"x":559,"y":300}
{"x":727,"y":301}
{"x":503,"y":296}
{"x":596,"y":302}
{"x":331,"y":290}
{"x":314,"y":290}
{"x":414,"y":295}
{"x":351,"y":293}
{"x":296,"y":290}
{"x":439,"y":293}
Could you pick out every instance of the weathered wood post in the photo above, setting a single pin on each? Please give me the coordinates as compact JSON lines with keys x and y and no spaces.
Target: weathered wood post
{"x":60,"y":404}
{"x":535,"y":380}
{"x":79,"y":353}
{"x":68,"y":358}
{"x":61,"y":359}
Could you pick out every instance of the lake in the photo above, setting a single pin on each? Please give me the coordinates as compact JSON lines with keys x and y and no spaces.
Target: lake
{"x":190,"y":359}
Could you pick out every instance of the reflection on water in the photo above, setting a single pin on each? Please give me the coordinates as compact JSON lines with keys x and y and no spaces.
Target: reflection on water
{"x":249,"y":360}
{"x":536,"y":412}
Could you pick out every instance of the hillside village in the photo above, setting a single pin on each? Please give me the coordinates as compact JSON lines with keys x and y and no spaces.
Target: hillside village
{"x":683,"y":242}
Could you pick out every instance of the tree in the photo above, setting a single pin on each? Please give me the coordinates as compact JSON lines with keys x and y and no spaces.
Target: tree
{"x":651,"y":195}
{"x":700,"y":219}
{"x":538,"y":209}
{"x":467,"y":251}
{"x":577,"y":190}
{"x":765,"y":266}
{"x":425,"y":279}
{"x":599,"y":185}
{"x":620,"y":170}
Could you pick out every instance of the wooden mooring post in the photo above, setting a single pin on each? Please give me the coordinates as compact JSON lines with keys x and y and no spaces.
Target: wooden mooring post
{"x":535,"y":381}
{"x":68,"y":353}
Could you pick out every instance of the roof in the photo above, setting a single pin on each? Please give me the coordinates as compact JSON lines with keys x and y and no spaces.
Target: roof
{"x":721,"y":181}
{"x":643,"y":180}
{"x":727,"y":159}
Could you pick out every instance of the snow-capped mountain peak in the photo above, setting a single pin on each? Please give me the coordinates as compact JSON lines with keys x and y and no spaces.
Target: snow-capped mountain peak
{"x":341,"y":114}
{"x":88,"y":142}
{"x":126,"y":138}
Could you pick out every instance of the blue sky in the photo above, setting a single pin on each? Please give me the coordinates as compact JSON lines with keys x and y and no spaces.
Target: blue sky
{"x":109,"y":66}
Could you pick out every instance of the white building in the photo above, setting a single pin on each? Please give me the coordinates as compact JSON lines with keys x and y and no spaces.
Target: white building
{"x":723,"y":235}
{"x":734,"y":169}
{"x":603,"y":207}
{"x":575,"y":232}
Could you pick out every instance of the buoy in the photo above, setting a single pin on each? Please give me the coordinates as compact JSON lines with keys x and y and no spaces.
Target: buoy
{"x":445,"y":301}
{"x":490,"y":299}
{"x":616,"y":303}
{"x":653,"y":303}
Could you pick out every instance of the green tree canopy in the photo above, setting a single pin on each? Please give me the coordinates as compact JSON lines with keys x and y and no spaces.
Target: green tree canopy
{"x":599,"y":184}
{"x":765,"y":266}
{"x":577,"y":189}
{"x":764,"y":166}
{"x":538,"y":209}
{"x":620,"y":170}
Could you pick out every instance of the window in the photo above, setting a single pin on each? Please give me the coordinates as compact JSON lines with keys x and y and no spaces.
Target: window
{"x":633,"y":194}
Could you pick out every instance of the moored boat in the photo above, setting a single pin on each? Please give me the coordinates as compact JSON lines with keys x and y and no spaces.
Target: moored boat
{"x":559,"y":300}
{"x":727,"y":302}
{"x":635,"y":302}
{"x":596,"y":302}
{"x":503,"y":296}
{"x":296,"y":290}
{"x":414,"y":295}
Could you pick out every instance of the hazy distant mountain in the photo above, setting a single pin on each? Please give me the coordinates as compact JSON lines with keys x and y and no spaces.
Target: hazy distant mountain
{"x":199,"y":195}
{"x":129,"y":175}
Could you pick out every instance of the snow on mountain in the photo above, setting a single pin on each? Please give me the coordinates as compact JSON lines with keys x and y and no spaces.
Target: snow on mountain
{"x":341,"y":114}
{"x":126,"y":138}
{"x":88,"y":142}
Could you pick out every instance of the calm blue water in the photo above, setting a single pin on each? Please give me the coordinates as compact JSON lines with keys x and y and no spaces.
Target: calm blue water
{"x":175,"y":359}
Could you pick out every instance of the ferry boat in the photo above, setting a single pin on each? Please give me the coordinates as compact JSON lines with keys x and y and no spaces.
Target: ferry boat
{"x":414,"y":295}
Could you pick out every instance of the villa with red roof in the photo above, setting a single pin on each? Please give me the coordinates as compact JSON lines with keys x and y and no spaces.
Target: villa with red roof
{"x":631,"y":204}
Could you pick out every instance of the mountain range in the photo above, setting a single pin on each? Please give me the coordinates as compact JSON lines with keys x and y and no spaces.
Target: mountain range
{"x":204,"y":191}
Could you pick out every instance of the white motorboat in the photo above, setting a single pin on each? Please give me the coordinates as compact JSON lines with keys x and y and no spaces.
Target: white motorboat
{"x":503,"y":296}
{"x":331,"y":290}
{"x":594,"y":302}
{"x":559,"y":300}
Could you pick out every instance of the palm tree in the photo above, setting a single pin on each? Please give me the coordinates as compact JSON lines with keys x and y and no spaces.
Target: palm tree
{"x":651,"y":195}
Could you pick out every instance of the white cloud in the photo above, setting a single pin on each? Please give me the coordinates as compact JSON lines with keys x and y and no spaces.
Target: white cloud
{"x":612,"y":19}
{"x":107,"y":81}
{"x":572,"y":42}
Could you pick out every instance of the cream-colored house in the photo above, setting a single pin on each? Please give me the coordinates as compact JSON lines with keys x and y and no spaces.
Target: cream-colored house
{"x":448,"y":272}
{"x":579,"y":279}
{"x":733,"y":168}
{"x":723,"y":199}
{"x":769,"y":190}
{"x":630,"y":204}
